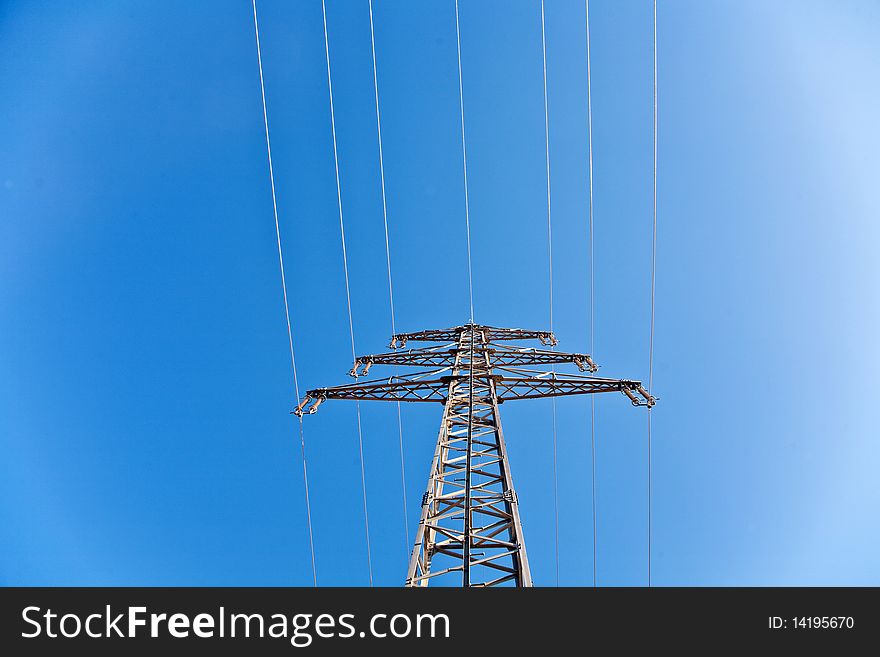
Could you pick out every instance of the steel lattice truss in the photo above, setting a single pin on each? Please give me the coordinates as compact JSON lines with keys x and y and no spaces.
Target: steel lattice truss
{"x":470,"y":527}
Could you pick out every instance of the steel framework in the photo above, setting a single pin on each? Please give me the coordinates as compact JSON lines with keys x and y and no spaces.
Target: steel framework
{"x":470,"y":525}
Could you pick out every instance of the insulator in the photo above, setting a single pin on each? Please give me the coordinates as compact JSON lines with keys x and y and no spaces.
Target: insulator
{"x":299,"y":410}
{"x":629,"y":393}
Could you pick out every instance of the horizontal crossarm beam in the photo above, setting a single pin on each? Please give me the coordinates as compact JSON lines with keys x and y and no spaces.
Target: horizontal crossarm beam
{"x":424,"y":390}
{"x":508,"y":389}
{"x":489,"y":333}
{"x":499,"y":355}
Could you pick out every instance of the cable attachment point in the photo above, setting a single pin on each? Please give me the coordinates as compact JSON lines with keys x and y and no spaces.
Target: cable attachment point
{"x":650,"y":400}
{"x":302,"y":409}
{"x":585,"y":363}
{"x":633,"y":387}
{"x":366,"y":362}
{"x":547,"y":339}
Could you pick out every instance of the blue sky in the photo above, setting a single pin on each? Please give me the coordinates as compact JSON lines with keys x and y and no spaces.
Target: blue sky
{"x":145,"y":385}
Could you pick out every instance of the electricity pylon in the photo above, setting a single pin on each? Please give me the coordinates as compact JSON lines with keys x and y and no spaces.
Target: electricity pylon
{"x":470,"y":525}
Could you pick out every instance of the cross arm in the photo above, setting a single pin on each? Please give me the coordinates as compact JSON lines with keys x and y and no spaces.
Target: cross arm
{"x":393,"y":389}
{"x":445,"y":357}
{"x":507,"y":388}
{"x":491,"y":334}
{"x":510,"y":388}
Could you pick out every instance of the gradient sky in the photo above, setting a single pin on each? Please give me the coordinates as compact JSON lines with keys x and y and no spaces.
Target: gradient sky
{"x":145,"y":385}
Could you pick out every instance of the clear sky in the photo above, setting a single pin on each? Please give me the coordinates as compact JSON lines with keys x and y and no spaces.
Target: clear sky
{"x":145,"y":384}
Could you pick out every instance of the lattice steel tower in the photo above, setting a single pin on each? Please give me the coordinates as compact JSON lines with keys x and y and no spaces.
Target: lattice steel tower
{"x":470,"y":531}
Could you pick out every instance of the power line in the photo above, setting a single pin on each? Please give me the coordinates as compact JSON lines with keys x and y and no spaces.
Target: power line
{"x":592,"y":292}
{"x":547,"y":162}
{"x":390,"y":285}
{"x":347,"y":288}
{"x":550,"y":261}
{"x":653,"y":286}
{"x":467,"y":217}
{"x":284,"y":291}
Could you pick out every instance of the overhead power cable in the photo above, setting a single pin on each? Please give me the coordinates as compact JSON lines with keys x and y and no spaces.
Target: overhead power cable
{"x":390,"y":285}
{"x":284,"y":291}
{"x":653,"y":288}
{"x":592,"y":295}
{"x":467,"y":217}
{"x":550,"y":270}
{"x":347,"y":289}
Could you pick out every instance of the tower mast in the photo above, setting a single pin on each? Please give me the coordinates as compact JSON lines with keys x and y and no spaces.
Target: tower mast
{"x":470,"y":532}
